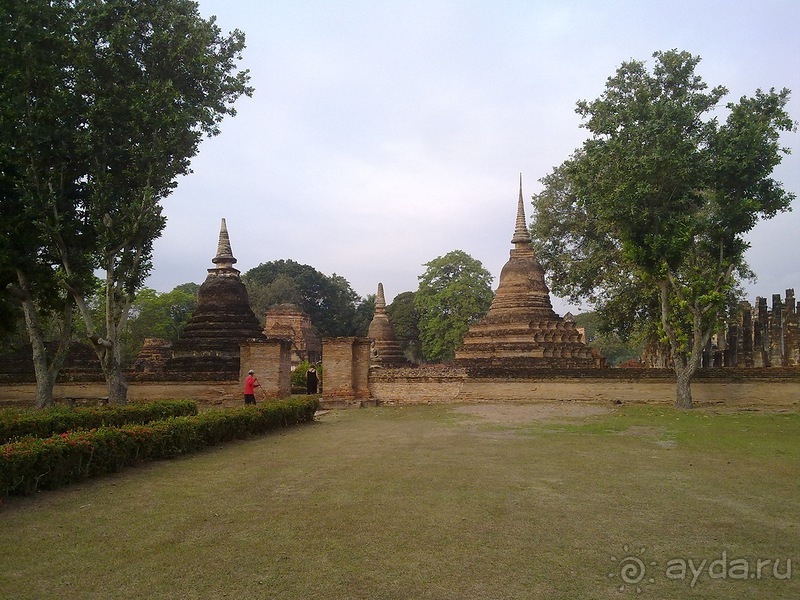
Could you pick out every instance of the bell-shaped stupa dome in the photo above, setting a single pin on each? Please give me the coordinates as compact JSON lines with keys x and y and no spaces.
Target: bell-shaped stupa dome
{"x":521,"y":330}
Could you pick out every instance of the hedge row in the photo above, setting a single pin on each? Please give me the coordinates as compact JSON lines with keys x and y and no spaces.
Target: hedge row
{"x":47,"y":463}
{"x":16,"y":423}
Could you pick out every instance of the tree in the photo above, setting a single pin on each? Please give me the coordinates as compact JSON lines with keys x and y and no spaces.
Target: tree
{"x":658,"y":199}
{"x":613,"y":348}
{"x":40,"y":178}
{"x":329,"y":300}
{"x":365,"y":311}
{"x":134,"y":88}
{"x":158,"y":315}
{"x":454,"y":292}
{"x":403,"y":315}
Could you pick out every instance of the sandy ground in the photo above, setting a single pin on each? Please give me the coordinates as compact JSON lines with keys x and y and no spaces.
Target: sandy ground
{"x":524,"y":413}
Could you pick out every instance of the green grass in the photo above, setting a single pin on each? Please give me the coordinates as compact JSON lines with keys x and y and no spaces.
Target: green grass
{"x":429,"y":502}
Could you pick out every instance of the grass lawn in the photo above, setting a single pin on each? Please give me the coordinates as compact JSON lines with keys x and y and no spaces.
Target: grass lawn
{"x":437,"y":502}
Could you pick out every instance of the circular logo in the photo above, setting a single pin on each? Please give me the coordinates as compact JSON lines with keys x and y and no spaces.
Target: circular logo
{"x":632,"y":570}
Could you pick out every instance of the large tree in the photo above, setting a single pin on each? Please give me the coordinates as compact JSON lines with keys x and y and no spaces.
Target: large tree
{"x":131,"y":91}
{"x":365,"y":312}
{"x":158,"y":315}
{"x":404,"y":317}
{"x":41,"y":177}
{"x":454,"y":292}
{"x":648,"y":217}
{"x":328,"y":299}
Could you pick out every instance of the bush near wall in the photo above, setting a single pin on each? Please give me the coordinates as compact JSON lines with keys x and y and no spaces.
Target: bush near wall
{"x":32,"y":464}
{"x":299,"y":376}
{"x":15,"y":423}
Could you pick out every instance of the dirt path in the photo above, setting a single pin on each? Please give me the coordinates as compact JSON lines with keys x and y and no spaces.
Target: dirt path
{"x":524,"y":413}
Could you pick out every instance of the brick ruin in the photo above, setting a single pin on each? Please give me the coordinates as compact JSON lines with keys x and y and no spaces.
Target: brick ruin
{"x":758,"y":336}
{"x":520,"y":349}
{"x":153,"y":356}
{"x":521,"y":331}
{"x":347,"y":370}
{"x":520,"y":338}
{"x":287,"y":321}
{"x":222,"y":320}
{"x":385,"y":350}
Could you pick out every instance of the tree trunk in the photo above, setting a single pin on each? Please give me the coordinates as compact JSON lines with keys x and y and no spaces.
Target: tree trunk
{"x":117,"y":387}
{"x":683,"y":389}
{"x":110,"y":358}
{"x":45,"y":378}
{"x":46,"y":371}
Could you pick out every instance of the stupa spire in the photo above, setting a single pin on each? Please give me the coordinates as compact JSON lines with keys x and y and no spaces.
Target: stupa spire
{"x":224,"y":258}
{"x":380,"y":300}
{"x":521,"y":234}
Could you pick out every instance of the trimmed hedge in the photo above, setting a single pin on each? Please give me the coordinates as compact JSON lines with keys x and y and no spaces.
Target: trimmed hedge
{"x":16,"y":423}
{"x":47,"y":463}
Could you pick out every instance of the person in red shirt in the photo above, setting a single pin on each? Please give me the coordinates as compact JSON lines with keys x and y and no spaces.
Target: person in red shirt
{"x":250,"y":385}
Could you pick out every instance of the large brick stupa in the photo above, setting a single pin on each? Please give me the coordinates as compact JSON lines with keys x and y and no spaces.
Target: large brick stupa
{"x":521,"y":330}
{"x":222,"y":320}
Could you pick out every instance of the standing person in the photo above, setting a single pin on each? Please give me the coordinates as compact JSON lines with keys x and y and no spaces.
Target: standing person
{"x":311,"y":381}
{"x":250,"y":385}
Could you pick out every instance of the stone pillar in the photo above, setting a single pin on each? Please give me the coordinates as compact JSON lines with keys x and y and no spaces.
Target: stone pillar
{"x":272,"y":362}
{"x":345,"y":363}
{"x":776,"y":352}
{"x":791,"y":324}
{"x":732,"y":348}
{"x":746,"y":337}
{"x":761,"y":334}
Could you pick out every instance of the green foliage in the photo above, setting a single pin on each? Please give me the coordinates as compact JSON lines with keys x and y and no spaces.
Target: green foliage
{"x":299,"y":375}
{"x":647,"y":219}
{"x":102,"y":106}
{"x":365,"y":311}
{"x":454,"y":292}
{"x":402,"y":313}
{"x":329,"y":301}
{"x":615,"y":349}
{"x":16,"y":423}
{"x":46,"y":463}
{"x":158,"y":315}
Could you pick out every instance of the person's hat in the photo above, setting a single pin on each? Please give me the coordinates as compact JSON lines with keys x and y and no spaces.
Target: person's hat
{"x":251,"y":371}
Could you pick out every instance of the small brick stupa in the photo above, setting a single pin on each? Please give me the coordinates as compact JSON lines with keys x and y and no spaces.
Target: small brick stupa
{"x":386,"y":350}
{"x":521,"y":330}
{"x":222,"y":320}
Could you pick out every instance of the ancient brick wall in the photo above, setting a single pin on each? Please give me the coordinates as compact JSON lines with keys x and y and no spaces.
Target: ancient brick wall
{"x":768,"y":386}
{"x":271,"y":361}
{"x":759,"y":336}
{"x":288,"y":321}
{"x":346,"y":368}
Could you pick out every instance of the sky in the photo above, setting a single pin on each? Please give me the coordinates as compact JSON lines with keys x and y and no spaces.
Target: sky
{"x":382,"y":135}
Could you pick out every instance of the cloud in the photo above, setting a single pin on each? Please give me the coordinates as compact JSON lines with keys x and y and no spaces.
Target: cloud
{"x":383,"y":135}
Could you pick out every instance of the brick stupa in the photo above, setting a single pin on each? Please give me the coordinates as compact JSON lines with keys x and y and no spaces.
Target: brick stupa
{"x":222,"y":320}
{"x":521,"y":330}
{"x":385,"y":350}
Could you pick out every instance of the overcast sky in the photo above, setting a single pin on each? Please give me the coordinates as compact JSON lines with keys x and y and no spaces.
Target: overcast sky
{"x":382,"y":135}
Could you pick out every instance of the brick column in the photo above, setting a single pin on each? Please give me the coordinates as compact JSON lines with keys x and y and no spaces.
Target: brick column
{"x":345,"y":364}
{"x":271,"y":360}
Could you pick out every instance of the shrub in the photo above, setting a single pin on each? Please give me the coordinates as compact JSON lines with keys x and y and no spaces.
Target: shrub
{"x":34,"y":463}
{"x":15,"y":423}
{"x":299,"y":375}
